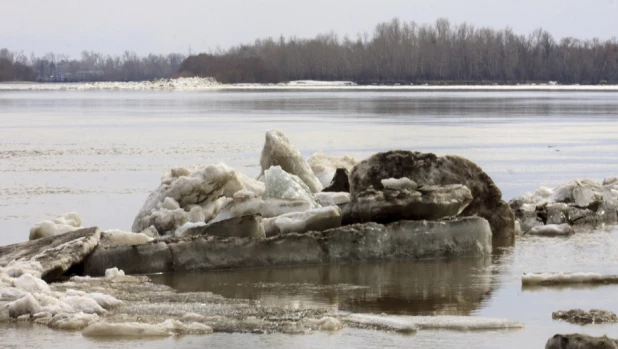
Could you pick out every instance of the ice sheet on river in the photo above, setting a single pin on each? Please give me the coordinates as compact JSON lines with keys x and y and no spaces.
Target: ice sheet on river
{"x":532,"y":279}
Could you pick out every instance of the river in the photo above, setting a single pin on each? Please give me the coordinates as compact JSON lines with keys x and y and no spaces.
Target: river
{"x":100,"y":152}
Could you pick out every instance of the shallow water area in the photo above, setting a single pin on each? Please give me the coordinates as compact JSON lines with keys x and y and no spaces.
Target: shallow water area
{"x":101,"y":152}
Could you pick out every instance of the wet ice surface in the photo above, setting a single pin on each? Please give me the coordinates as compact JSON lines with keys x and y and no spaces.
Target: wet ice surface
{"x":100,"y":153}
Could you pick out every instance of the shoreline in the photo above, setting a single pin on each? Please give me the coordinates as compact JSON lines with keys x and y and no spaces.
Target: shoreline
{"x":207,"y":84}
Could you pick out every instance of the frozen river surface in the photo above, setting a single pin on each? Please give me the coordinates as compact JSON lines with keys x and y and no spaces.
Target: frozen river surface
{"x":100,"y":152}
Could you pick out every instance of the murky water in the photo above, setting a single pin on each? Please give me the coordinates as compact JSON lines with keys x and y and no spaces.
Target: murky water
{"x":99,"y":153}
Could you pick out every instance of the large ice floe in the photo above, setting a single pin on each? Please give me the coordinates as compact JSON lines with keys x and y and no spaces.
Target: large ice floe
{"x":401,"y":240}
{"x":394,"y":206}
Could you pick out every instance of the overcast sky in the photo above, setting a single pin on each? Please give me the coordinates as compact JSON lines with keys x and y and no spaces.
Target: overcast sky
{"x":143,"y":26}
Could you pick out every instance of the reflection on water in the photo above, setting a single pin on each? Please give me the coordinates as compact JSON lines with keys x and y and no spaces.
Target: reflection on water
{"x":414,"y":288}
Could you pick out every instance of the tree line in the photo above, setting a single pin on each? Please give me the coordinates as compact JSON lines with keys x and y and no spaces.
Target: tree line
{"x":396,"y":52}
{"x":406,"y":52}
{"x":91,"y":66}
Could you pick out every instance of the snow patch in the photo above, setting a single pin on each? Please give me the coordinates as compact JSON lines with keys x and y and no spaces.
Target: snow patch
{"x":403,"y":183}
{"x":113,"y":272}
{"x":29,"y":283}
{"x":123,"y":238}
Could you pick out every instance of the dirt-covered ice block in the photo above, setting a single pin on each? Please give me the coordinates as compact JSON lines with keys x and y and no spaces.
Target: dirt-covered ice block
{"x":580,"y":341}
{"x":582,"y":317}
{"x":430,"y":169}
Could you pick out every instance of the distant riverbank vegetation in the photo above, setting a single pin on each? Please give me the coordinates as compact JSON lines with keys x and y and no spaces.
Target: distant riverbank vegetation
{"x":402,"y":52}
{"x":91,"y":66}
{"x":395,"y":53}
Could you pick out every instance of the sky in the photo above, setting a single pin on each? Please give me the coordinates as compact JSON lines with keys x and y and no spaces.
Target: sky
{"x":145,"y":26}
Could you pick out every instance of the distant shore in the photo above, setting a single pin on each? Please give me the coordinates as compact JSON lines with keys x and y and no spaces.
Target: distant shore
{"x":208,"y":84}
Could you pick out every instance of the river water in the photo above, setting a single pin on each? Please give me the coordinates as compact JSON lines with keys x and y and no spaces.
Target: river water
{"x":100,"y":152}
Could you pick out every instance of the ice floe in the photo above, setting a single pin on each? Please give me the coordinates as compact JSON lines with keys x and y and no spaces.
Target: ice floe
{"x":567,"y":278}
{"x":402,"y":323}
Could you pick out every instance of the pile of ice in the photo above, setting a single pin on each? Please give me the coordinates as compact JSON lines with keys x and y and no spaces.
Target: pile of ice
{"x":582,"y":202}
{"x":59,"y":225}
{"x":288,"y":189}
{"x":25,"y":297}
